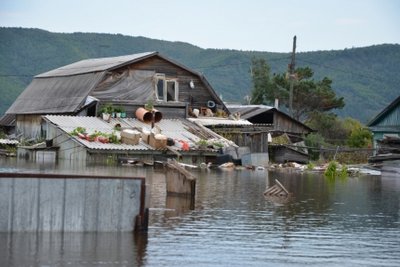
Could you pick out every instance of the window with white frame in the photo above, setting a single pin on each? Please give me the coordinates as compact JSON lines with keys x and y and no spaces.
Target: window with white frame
{"x":166,"y":89}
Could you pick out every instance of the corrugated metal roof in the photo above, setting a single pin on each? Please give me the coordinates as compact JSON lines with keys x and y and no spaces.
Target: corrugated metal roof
{"x":95,"y":65}
{"x":249,"y":111}
{"x":208,"y":121}
{"x":91,"y":124}
{"x":172,"y":128}
{"x":8,"y":142}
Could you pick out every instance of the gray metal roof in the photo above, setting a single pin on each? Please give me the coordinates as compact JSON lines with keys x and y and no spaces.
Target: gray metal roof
{"x":92,"y":124}
{"x":209,"y":121}
{"x":179,"y":130}
{"x":172,"y":128}
{"x":95,"y":65}
{"x":249,"y":111}
{"x":8,"y":142}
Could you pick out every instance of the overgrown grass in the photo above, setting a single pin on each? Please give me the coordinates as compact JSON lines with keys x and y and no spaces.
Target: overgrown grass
{"x":335,"y":170}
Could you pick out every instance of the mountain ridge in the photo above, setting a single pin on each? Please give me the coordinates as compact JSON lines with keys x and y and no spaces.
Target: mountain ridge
{"x":366,"y":77}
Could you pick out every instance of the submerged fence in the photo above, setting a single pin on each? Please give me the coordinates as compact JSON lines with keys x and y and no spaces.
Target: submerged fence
{"x":53,"y":202}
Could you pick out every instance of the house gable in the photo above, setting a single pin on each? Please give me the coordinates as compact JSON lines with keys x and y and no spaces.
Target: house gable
{"x":261,"y":114}
{"x":388,"y":120}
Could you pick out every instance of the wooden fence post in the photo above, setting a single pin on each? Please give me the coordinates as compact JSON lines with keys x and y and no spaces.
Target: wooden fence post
{"x":180,"y":182}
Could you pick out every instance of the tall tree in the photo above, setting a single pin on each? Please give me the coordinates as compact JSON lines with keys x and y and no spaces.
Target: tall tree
{"x":308,"y":94}
{"x":260,"y":74}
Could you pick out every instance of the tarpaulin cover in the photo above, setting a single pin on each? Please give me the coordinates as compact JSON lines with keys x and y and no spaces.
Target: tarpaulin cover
{"x":131,"y":84}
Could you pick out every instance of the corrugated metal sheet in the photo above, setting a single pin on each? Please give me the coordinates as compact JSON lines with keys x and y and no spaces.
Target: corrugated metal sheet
{"x":172,"y":128}
{"x":249,"y":111}
{"x":55,"y":95}
{"x":219,"y":121}
{"x":92,"y":124}
{"x":8,"y":142}
{"x":94,"y":65}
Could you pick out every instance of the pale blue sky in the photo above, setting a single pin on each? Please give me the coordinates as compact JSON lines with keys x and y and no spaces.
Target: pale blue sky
{"x":262,"y":25}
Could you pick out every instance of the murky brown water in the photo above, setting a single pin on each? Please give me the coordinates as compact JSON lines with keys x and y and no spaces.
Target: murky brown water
{"x":352,"y":222}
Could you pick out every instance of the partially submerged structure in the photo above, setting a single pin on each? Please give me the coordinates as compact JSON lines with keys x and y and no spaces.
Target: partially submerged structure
{"x":73,"y":96}
{"x":183,"y":140}
{"x":386,"y":123}
{"x":269,"y":126}
{"x":40,"y":202}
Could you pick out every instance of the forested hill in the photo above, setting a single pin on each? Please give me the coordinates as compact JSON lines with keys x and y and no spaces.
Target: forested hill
{"x":368,"y":78}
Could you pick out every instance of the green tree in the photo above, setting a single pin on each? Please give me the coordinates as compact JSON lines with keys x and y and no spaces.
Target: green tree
{"x":308,"y":94}
{"x":359,"y":136}
{"x":260,"y":74}
{"x":329,"y":126}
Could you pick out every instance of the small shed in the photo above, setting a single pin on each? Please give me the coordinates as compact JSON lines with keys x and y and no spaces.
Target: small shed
{"x":277,"y":121}
{"x":386,"y":125}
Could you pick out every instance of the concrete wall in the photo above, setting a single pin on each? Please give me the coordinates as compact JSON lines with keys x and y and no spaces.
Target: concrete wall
{"x":42,"y":202}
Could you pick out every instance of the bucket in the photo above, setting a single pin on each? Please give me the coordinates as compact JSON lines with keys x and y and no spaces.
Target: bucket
{"x":144,"y":115}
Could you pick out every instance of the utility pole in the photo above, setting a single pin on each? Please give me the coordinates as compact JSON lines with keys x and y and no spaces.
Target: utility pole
{"x":292,"y":76}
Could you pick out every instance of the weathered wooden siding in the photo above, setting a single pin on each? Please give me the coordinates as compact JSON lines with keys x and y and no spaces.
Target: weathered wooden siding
{"x":39,"y":202}
{"x":391,"y":120}
{"x":29,"y":126}
{"x":68,"y":148}
{"x":388,"y":124}
{"x":197,"y":97}
{"x":249,"y":136}
{"x":282,"y":154}
{"x":285,"y":124}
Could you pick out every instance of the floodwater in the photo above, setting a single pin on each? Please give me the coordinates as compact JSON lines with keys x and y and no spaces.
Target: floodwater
{"x":344,"y":222}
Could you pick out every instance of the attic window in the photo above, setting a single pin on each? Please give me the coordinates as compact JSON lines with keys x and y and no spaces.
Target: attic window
{"x":166,"y":89}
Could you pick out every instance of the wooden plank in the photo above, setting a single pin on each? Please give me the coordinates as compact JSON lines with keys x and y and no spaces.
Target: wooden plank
{"x":276,"y":181}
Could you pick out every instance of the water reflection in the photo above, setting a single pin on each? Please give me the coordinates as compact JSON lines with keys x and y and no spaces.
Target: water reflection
{"x":73,"y":249}
{"x":352,"y":222}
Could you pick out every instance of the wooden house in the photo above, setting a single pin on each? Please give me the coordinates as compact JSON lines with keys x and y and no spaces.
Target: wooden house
{"x":131,"y":81}
{"x":267,"y":123}
{"x":386,"y":129}
{"x":276,"y":121}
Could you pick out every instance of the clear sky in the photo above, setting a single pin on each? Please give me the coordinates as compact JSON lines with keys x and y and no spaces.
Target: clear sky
{"x":262,"y":25}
